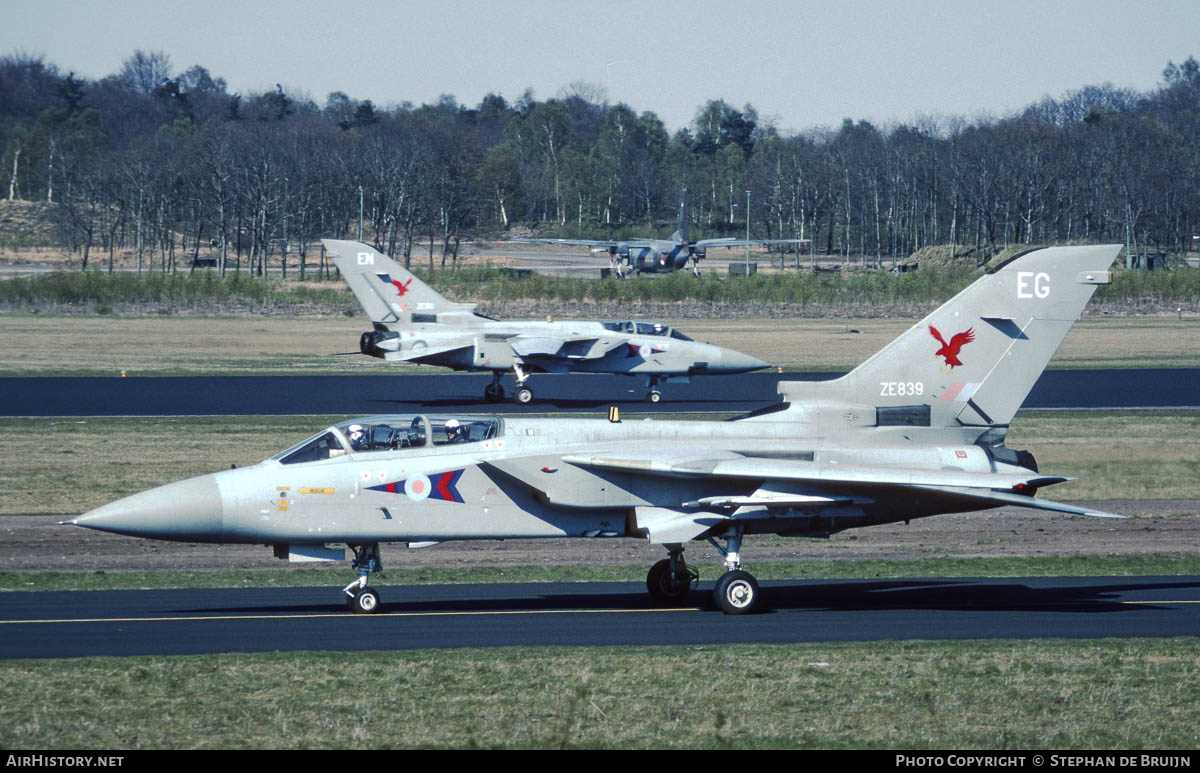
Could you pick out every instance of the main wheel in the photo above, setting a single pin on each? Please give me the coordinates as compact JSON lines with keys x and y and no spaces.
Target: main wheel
{"x":366,"y":602}
{"x":736,"y":592}
{"x":663,"y":587}
{"x":493,"y":393}
{"x":523,"y":395}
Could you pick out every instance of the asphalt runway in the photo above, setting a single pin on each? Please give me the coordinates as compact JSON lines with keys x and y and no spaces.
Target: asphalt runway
{"x":177,"y":622}
{"x":291,"y":395}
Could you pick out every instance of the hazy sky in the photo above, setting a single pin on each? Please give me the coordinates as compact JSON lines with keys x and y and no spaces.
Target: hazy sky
{"x":802,"y":63}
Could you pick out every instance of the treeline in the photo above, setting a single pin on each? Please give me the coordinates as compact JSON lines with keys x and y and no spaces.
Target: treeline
{"x":493,"y":287}
{"x":173,"y":166}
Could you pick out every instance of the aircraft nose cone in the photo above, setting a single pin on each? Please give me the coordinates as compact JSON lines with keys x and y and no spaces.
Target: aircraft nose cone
{"x":189,"y":510}
{"x":736,"y":362}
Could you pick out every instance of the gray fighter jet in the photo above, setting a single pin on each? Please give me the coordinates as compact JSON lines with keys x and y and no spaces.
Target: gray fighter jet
{"x":415,"y":324}
{"x":651,"y":256}
{"x":916,"y":430}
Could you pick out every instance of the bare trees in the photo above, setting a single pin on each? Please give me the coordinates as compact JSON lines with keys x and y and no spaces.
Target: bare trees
{"x":166,"y":165}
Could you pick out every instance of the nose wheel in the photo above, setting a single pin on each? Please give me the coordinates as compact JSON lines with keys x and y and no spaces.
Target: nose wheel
{"x":362,"y":599}
{"x":653,"y":395}
{"x":364,"y":602}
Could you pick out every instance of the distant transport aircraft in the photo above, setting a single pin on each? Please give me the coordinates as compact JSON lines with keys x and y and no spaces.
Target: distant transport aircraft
{"x":648,"y":255}
{"x":412,"y":323}
{"x":914,"y":431}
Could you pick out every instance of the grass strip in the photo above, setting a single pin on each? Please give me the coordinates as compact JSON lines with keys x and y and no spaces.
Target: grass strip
{"x":1043,"y":694}
{"x":491,"y":284}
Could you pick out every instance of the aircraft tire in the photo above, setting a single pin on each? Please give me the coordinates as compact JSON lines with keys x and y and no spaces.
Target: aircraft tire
{"x":663,"y":588}
{"x":366,"y":602}
{"x":523,"y":395}
{"x":736,"y":592}
{"x":493,"y":393}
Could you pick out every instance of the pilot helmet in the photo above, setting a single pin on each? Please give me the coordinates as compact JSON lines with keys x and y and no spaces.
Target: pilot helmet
{"x":452,"y":429}
{"x":356,"y":433}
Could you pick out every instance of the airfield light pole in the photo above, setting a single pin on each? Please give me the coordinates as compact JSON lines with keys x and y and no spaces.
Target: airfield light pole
{"x":747,"y":234}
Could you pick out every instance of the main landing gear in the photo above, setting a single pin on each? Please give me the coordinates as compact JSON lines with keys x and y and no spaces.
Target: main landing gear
{"x":671,"y":579}
{"x":361,"y":599}
{"x":494,"y":393}
{"x":736,"y":592}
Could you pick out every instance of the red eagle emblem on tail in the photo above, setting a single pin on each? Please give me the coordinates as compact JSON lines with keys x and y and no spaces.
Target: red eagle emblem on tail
{"x":401,"y":289}
{"x":949,"y":351}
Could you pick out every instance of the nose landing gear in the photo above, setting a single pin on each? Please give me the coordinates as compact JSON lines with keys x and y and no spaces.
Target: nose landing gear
{"x":361,"y":599}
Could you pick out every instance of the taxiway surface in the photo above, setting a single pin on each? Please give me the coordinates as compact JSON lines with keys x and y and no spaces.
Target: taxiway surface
{"x":404,"y":393}
{"x":174,"y":622}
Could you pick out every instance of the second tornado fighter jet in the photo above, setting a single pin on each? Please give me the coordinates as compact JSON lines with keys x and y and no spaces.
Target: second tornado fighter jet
{"x":412,"y":323}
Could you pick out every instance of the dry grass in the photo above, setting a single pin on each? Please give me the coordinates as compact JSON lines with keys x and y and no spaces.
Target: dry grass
{"x":68,"y":466}
{"x":160,"y":346}
{"x":36,"y":345}
{"x":890,"y":695}
{"x":1115,"y":455}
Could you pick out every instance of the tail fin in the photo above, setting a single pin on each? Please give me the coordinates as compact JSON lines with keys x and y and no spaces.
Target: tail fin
{"x":973,"y":361}
{"x":680,"y":234}
{"x":388,"y":293}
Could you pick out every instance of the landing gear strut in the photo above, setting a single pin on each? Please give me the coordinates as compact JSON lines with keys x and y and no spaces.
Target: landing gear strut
{"x":736,"y":592}
{"x":652,"y":383}
{"x":522,"y":394}
{"x":361,"y":599}
{"x":494,"y":392}
{"x":671,"y":579}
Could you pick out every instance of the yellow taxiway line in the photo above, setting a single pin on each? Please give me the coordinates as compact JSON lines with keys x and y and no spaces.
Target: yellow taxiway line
{"x":345,"y":615}
{"x":477,"y":613}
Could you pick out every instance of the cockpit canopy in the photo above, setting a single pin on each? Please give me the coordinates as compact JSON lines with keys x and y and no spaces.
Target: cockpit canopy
{"x":391,"y":433}
{"x":646,"y":329}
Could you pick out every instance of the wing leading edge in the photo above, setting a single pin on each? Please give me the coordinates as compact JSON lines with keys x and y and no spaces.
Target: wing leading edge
{"x":784,"y":482}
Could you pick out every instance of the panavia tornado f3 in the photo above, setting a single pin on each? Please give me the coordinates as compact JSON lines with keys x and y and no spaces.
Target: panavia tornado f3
{"x":413,"y":323}
{"x":916,"y":430}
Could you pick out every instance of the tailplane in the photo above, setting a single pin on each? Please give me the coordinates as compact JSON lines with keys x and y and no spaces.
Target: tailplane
{"x":389,"y":293}
{"x":973,"y":361}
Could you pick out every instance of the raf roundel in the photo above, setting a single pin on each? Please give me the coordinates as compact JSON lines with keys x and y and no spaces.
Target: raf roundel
{"x":418,"y":487}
